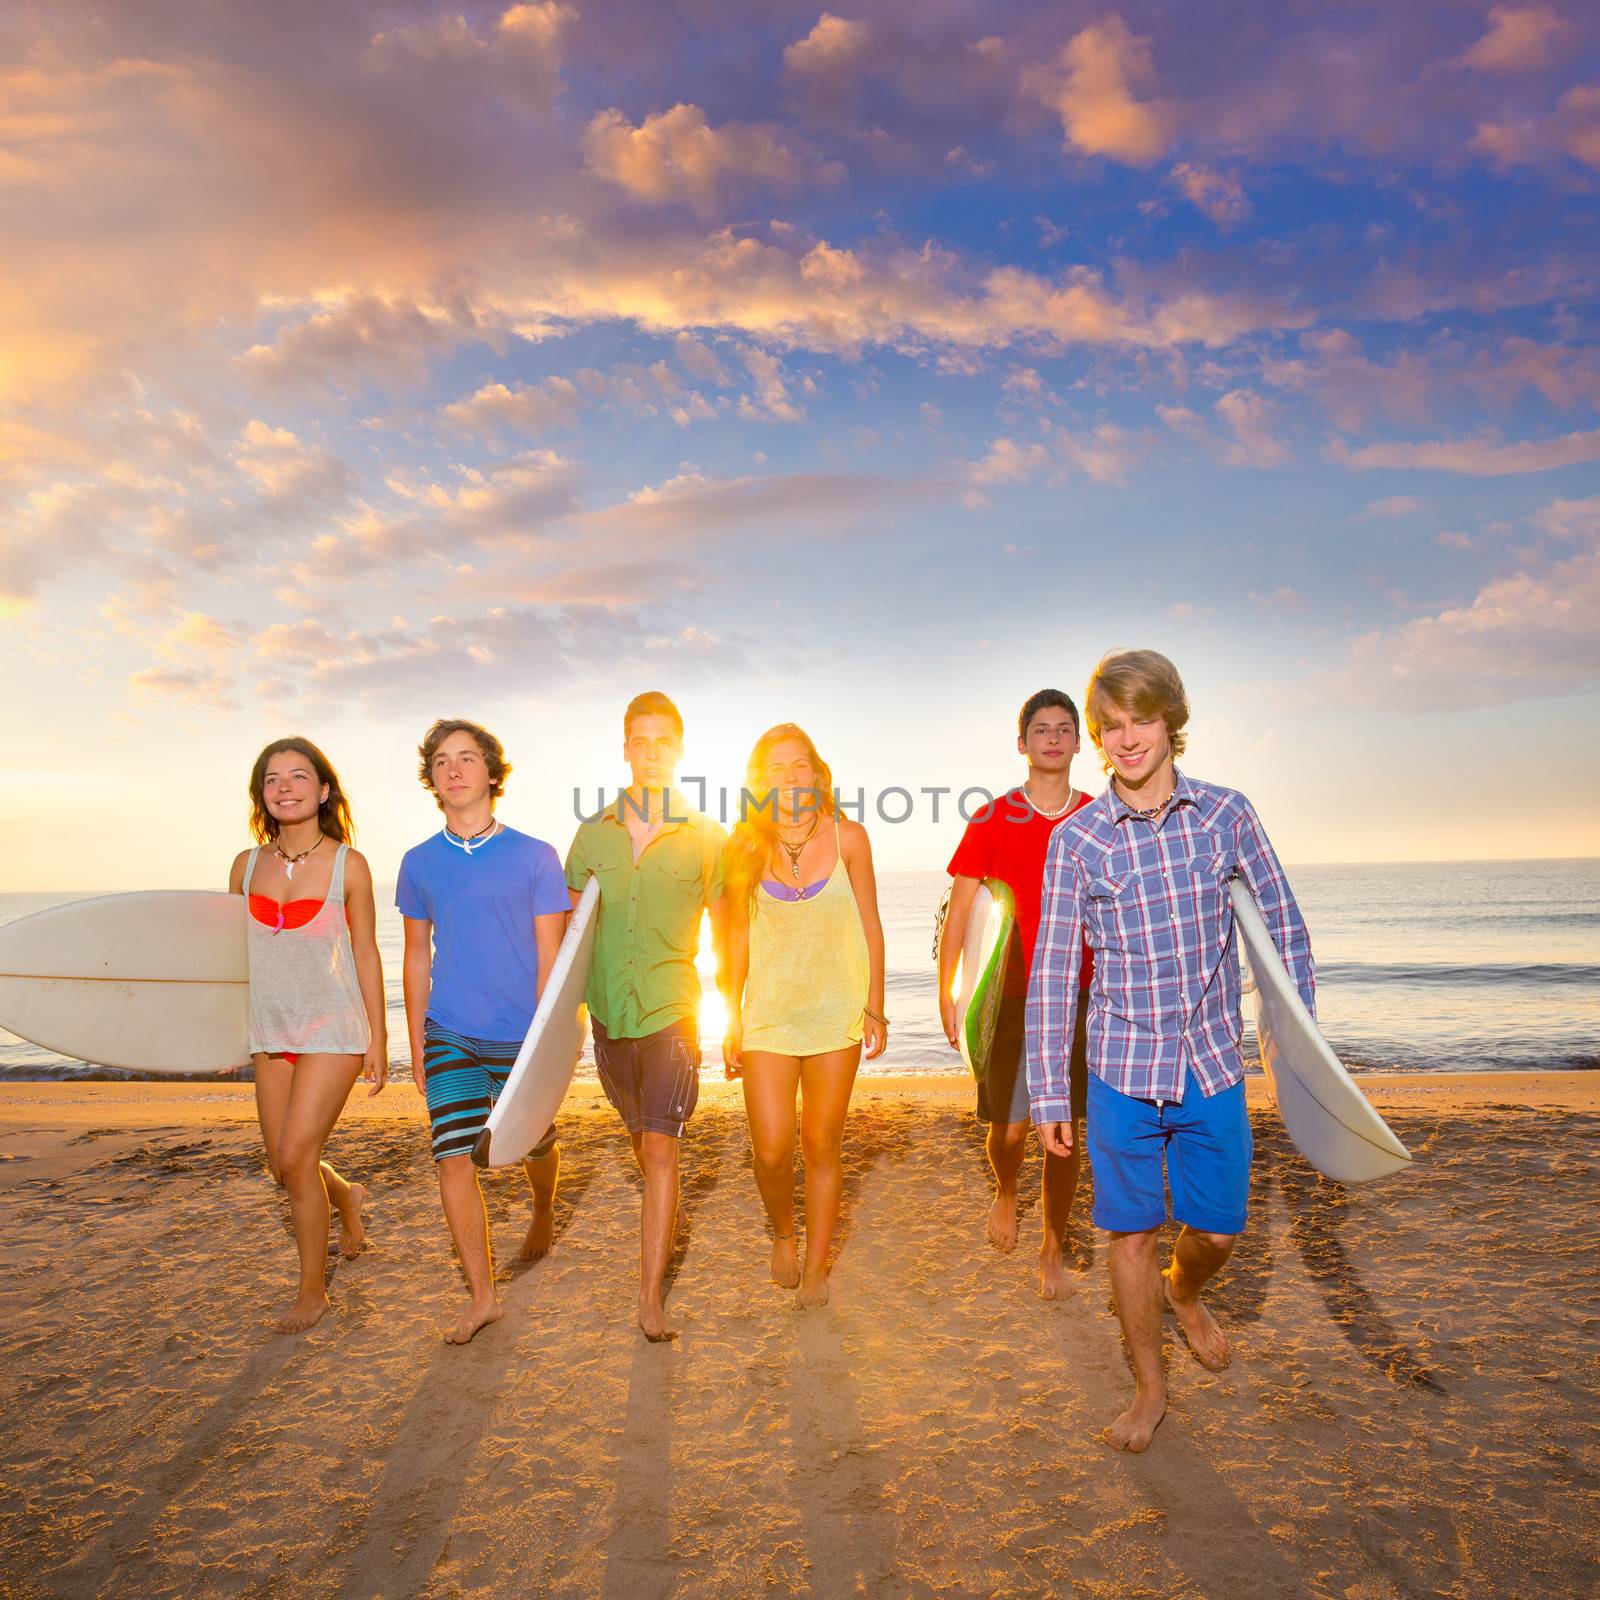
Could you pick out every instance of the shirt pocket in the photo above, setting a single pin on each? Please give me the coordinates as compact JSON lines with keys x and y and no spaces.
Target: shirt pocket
{"x":1204,"y":878}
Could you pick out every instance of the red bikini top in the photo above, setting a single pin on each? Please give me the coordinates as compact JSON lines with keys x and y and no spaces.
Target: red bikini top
{"x":287,"y":914}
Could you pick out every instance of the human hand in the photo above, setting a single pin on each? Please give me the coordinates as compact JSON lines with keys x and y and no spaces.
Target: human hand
{"x":947,"y":1019}
{"x":375,"y":1067}
{"x":1056,"y":1137}
{"x":874,"y":1037}
{"x":733,"y":1049}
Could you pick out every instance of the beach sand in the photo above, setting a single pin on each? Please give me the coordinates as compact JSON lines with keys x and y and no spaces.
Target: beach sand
{"x":1412,"y":1407}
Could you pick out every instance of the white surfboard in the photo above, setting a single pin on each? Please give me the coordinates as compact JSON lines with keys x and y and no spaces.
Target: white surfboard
{"x":1331,"y":1122}
{"x":154,"y":982}
{"x":543,"y":1070}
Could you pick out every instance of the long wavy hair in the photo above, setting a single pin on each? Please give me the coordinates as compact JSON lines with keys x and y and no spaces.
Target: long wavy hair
{"x":334,"y":812}
{"x":757,"y":829}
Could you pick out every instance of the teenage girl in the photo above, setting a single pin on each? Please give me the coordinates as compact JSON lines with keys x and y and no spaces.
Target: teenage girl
{"x":805,"y":985}
{"x":316,"y":995}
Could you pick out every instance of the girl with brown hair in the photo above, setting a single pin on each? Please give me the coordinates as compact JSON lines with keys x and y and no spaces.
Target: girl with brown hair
{"x":805,"y":987}
{"x":316,"y":995}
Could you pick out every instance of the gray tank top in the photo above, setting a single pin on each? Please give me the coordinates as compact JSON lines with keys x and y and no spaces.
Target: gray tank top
{"x":304,"y":995}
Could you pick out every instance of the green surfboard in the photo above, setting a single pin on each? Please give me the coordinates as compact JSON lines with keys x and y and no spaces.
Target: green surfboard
{"x":983,"y":971}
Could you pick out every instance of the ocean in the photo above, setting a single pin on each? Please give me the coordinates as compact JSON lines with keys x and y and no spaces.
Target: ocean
{"x":1426,"y":967}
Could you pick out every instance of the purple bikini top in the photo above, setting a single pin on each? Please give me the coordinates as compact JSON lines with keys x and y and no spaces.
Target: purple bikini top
{"x":782,"y":891}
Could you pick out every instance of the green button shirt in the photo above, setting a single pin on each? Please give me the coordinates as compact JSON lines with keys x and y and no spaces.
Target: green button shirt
{"x":643,"y":978}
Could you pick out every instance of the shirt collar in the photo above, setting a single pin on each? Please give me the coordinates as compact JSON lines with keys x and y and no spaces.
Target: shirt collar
{"x":1183,"y":794}
{"x":678,"y":808}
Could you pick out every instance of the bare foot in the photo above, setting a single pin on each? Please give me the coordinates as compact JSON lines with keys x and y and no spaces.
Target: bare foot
{"x":305,"y":1313}
{"x":478,"y":1314}
{"x":1003,"y":1221}
{"x":1052,"y":1275}
{"x":785,"y":1261}
{"x":813,"y":1291}
{"x":1206,"y":1341}
{"x":352,"y":1234}
{"x":653,"y":1321}
{"x":541,"y":1234}
{"x":1136,"y":1427}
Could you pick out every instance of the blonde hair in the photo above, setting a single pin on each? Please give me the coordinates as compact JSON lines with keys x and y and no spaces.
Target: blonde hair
{"x":1142,"y":682}
{"x":751,"y":842}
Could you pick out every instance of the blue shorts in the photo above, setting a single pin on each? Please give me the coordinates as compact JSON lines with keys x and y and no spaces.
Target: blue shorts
{"x":464,"y":1078}
{"x":1203,"y":1143}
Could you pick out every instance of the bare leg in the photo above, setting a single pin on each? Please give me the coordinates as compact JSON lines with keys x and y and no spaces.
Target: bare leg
{"x":658,"y":1156}
{"x":770,"y":1082}
{"x":319,"y":1086}
{"x":1006,"y":1144}
{"x":1060,"y":1188}
{"x":469,"y":1228}
{"x":274,"y":1076}
{"x":346,"y":1198}
{"x":1195,"y":1258}
{"x":1136,"y":1281}
{"x":542,"y":1172}
{"x":825,"y":1085}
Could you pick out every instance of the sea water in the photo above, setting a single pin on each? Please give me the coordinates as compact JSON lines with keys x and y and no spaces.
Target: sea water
{"x":1422,"y":967}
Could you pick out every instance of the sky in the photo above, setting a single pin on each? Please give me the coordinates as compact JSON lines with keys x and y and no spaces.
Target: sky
{"x":361,"y":364}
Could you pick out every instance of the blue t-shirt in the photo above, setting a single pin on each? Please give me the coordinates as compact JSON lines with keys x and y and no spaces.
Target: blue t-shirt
{"x":482,"y":906}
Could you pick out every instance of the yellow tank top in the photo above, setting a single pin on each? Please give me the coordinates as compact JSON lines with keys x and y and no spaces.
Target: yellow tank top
{"x":807,"y":979}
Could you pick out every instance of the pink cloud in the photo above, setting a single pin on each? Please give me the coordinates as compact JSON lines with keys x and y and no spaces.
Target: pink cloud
{"x":1483,"y":457}
{"x":1525,"y":636}
{"x":1219,"y":195}
{"x":1520,"y":39}
{"x":1092,"y":88}
{"x":677,"y":155}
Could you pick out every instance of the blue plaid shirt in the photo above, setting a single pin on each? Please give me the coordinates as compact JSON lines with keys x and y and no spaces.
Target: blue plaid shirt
{"x":1152,"y":900}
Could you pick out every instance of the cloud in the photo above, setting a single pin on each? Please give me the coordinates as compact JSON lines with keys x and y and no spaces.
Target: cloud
{"x":1483,"y":457}
{"x":771,"y":400}
{"x":700,"y":360}
{"x":1525,"y":636}
{"x":1350,"y":387}
{"x":1219,"y":195}
{"x":202,"y":686}
{"x":1102,"y":454}
{"x":521,"y":58}
{"x":1251,"y":416}
{"x":1571,"y":519}
{"x":524,"y":408}
{"x":57,"y":530}
{"x":1395,"y":505}
{"x":512,"y":502}
{"x":677,"y":156}
{"x":1572,"y":130}
{"x":1010,"y":462}
{"x":510,"y":651}
{"x":290,"y":476}
{"x":828,"y":64}
{"x":1092,"y":89}
{"x":692,"y":507}
{"x":1182,"y":420}
{"x":1520,"y":39}
{"x":367,"y":339}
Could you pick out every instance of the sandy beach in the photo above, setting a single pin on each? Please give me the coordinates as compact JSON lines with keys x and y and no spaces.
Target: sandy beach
{"x":1412,"y":1408}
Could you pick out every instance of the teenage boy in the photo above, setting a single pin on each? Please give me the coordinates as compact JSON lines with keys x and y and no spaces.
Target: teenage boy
{"x":1008,"y":840}
{"x":1142,"y":873}
{"x":659,"y":864}
{"x":485,"y":909}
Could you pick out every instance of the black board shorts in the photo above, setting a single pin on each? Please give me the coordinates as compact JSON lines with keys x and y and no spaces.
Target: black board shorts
{"x":1003,"y":1090}
{"x":653,"y":1081}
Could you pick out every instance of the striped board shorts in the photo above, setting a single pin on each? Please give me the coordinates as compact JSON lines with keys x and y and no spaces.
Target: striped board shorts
{"x":464,"y":1078}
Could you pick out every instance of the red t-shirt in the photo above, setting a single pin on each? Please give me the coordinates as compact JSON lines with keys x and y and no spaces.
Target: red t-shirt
{"x":1010,"y":844}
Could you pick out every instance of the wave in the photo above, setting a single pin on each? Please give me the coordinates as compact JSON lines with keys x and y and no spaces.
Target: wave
{"x":1555,"y":973}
